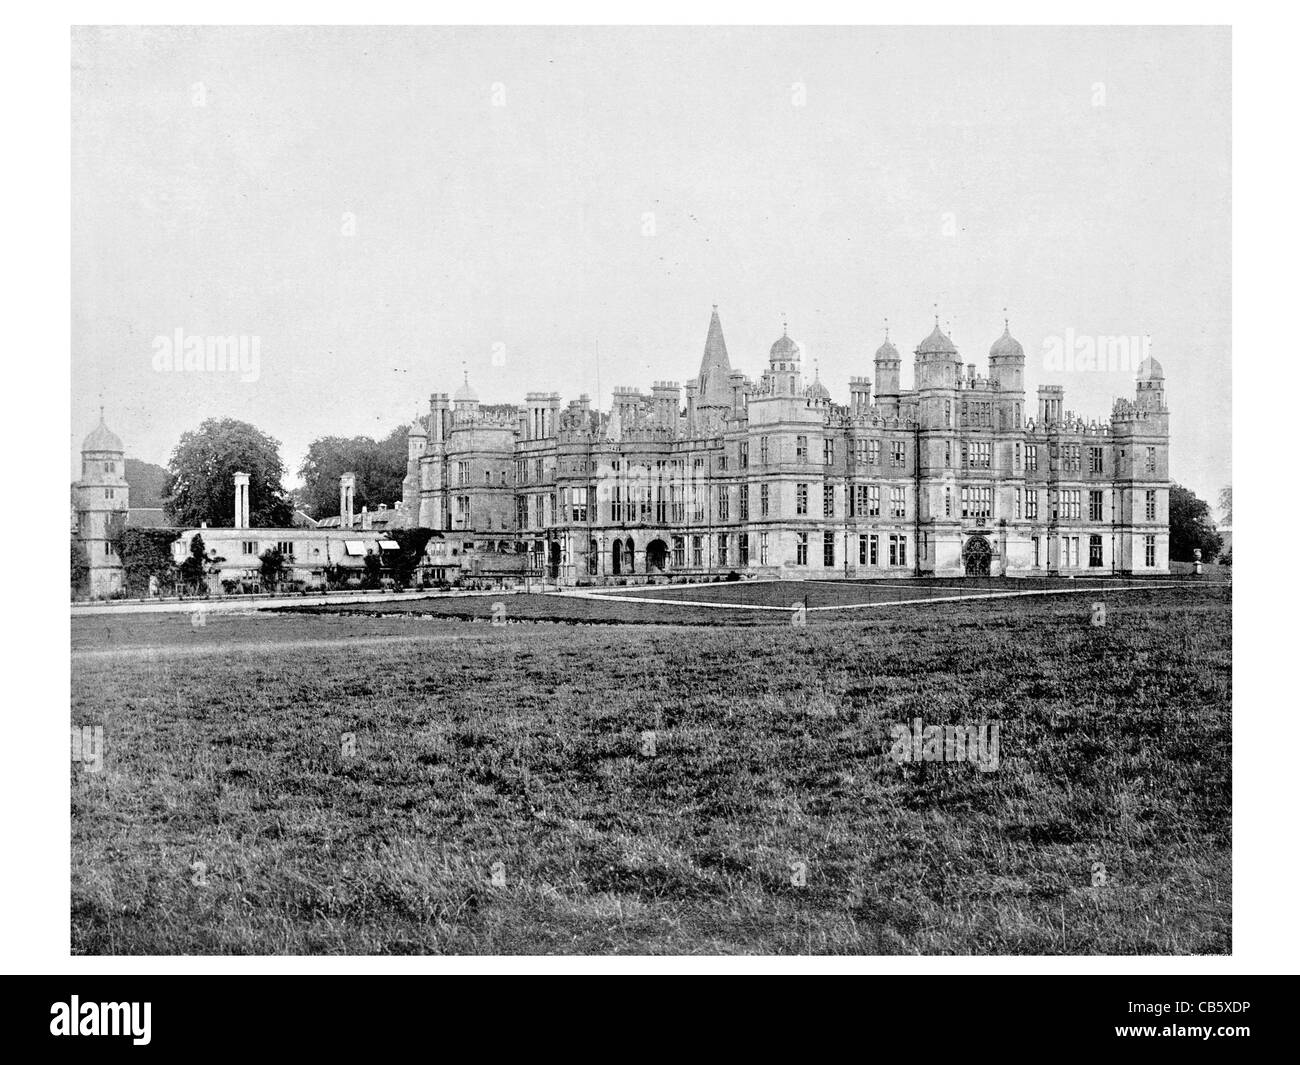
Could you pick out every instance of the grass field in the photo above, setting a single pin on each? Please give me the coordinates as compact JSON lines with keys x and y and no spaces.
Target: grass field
{"x":501,"y":795}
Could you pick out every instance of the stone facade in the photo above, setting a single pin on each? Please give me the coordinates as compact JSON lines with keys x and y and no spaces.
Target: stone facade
{"x":958,"y":475}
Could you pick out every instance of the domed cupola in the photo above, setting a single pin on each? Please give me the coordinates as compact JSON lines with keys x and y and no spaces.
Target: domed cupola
{"x":1007,"y":363}
{"x":785,"y":350}
{"x":784,"y":374}
{"x":466,"y":393}
{"x":1150,"y":370}
{"x":102,"y":438}
{"x":887,"y":363}
{"x":937,"y":364}
{"x":887,"y":353}
{"x":1151,"y":384}
{"x":1006,"y":346}
{"x":937,"y":343}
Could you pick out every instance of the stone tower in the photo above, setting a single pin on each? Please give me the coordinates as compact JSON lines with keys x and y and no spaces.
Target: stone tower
{"x":887,"y":363}
{"x":784,"y":374}
{"x":101,"y":502}
{"x":417,"y":438}
{"x":1007,"y":370}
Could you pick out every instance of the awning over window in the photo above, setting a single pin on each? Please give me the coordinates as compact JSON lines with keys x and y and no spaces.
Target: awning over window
{"x":390,"y":545}
{"x":354,"y":547}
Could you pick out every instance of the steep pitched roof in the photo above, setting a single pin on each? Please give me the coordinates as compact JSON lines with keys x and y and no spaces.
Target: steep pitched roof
{"x":715,"y":368}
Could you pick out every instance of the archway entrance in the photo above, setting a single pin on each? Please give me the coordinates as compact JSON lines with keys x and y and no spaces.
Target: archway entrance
{"x":656,"y":555}
{"x":977,"y":555}
{"x":616,"y":557}
{"x":555,"y":559}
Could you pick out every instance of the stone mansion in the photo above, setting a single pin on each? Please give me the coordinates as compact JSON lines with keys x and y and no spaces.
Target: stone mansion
{"x":961,"y":474}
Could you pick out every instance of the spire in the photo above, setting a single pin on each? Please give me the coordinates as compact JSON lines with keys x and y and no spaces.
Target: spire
{"x":817,"y":390}
{"x":715,"y":368}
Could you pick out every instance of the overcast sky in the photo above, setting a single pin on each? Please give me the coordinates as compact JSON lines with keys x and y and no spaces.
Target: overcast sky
{"x":382,"y":206}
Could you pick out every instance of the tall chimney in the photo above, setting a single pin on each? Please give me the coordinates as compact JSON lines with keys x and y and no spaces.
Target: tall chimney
{"x":347,"y":490}
{"x":241,"y":501}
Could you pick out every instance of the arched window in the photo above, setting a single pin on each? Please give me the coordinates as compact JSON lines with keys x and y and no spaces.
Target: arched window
{"x":629,"y":555}
{"x":593,"y":557}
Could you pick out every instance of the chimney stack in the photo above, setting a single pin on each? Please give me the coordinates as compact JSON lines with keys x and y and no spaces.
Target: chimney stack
{"x":241,"y":501}
{"x":347,"y":491}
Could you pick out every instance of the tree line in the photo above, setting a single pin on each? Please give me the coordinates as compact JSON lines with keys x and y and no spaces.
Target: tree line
{"x":200,"y":475}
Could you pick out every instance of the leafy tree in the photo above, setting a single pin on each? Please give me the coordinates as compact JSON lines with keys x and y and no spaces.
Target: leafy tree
{"x":380,"y":467}
{"x":272,"y":568}
{"x":201,"y":476}
{"x":1190,"y":526}
{"x":195,"y":569}
{"x":1225,"y":503}
{"x":389,"y":468}
{"x":406,"y":561}
{"x":146,"y":553}
{"x":147,"y":482}
{"x":374,"y":571}
{"x":80,"y":567}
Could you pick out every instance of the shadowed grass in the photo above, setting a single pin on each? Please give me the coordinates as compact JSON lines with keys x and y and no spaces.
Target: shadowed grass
{"x":522,"y":745}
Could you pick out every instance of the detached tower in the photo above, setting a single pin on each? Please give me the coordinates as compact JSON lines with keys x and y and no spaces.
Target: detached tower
{"x":101,"y":503}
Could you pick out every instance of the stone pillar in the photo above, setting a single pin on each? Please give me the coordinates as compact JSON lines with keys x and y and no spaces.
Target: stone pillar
{"x":241,"y":501}
{"x":347,"y":491}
